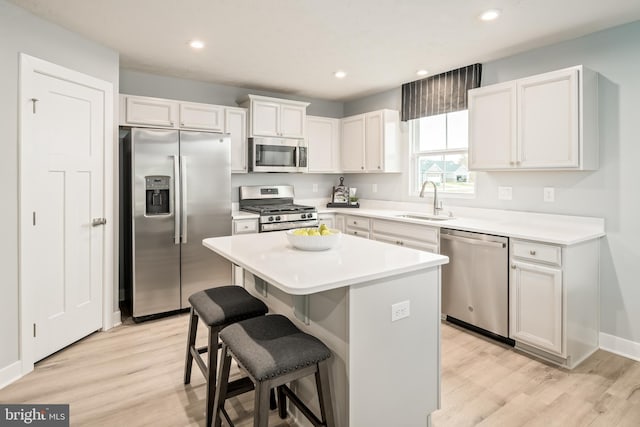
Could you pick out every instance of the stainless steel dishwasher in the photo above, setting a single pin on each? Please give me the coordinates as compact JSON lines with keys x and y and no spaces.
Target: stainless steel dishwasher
{"x":475,"y":283}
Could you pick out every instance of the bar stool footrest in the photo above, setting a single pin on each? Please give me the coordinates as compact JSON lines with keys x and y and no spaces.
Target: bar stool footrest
{"x":302,"y":407}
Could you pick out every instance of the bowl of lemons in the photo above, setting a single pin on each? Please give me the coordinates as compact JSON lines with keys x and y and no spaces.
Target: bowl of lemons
{"x":314,"y":239}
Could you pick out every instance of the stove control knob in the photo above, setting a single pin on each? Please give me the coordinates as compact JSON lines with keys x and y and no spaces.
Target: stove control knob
{"x":270,"y":218}
{"x":303,"y":216}
{"x":278,"y":218}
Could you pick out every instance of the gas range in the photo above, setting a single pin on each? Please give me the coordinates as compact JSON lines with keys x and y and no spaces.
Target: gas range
{"x":275,"y":206}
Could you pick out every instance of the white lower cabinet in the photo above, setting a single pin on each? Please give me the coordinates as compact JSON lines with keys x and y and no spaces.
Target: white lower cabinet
{"x":413,"y":236}
{"x":554,"y":300}
{"x":339,"y":222}
{"x":242,"y":226}
{"x":536,"y":302}
{"x":327,"y":219}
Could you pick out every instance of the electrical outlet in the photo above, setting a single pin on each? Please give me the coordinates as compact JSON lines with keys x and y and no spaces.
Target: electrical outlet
{"x":315,"y":188}
{"x":505,"y":193}
{"x":549,"y":194}
{"x":400,"y":310}
{"x":374,"y":188}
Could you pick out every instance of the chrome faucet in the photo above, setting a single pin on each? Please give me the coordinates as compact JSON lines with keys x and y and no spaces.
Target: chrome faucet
{"x":436,"y":205}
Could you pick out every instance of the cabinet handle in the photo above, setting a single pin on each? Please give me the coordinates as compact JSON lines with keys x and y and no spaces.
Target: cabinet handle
{"x":361,"y":167}
{"x":532,"y":252}
{"x":378,"y":167}
{"x":171,"y":123}
{"x":513,"y":266}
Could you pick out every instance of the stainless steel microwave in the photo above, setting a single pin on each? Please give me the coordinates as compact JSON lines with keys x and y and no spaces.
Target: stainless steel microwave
{"x":277,"y":155}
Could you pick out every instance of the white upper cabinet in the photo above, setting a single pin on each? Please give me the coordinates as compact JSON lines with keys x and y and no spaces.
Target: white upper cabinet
{"x":492,"y":127}
{"x":146,"y":111}
{"x":157,"y":112}
{"x":273,"y":117}
{"x":235,"y":124}
{"x":323,"y":140}
{"x":353,"y":131}
{"x":543,"y":122}
{"x":202,"y":117}
{"x":371,"y":142}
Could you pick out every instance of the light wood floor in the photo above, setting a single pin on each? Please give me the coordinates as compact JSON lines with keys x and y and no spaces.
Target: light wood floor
{"x":132,"y":376}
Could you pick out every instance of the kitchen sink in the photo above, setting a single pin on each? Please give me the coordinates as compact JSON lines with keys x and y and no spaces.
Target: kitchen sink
{"x":425,"y":217}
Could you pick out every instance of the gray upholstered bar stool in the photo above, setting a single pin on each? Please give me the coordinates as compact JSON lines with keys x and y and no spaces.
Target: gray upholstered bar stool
{"x":274,"y":352}
{"x":217,"y":308}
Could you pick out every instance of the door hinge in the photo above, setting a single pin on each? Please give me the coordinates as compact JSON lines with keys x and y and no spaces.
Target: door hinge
{"x":34,"y":330}
{"x":34,"y":218}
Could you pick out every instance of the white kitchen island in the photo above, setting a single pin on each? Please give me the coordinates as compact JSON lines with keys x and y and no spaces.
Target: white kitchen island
{"x":383,"y":372}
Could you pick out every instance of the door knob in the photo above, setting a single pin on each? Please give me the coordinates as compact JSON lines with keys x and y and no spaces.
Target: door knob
{"x":98,"y":221}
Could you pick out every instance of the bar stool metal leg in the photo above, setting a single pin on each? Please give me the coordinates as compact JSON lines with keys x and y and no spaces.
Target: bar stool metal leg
{"x":223,"y":382}
{"x":212,"y":366}
{"x":191,"y":340}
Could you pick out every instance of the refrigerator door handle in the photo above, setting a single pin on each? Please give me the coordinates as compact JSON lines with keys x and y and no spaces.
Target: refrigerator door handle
{"x":176,"y":200}
{"x":183,"y":179}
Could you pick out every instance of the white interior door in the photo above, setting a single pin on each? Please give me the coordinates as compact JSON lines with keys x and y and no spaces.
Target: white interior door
{"x":62,"y":179}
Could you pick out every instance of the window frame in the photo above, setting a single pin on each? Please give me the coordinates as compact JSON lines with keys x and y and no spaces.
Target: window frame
{"x":415,"y":155}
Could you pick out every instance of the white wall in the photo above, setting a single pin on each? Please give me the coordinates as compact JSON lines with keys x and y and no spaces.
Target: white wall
{"x":611,"y":192}
{"x":23,"y":32}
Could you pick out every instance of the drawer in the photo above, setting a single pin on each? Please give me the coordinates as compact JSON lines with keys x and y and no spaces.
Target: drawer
{"x":242,"y":226}
{"x":421,"y":233}
{"x":357,"y":222}
{"x":359,"y":233}
{"x":537,"y":252}
{"x":407,"y":243}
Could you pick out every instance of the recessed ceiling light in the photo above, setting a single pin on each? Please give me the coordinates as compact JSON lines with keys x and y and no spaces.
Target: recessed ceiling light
{"x":422,"y":72}
{"x":340,"y":74}
{"x":490,"y":15}
{"x":196,"y":44}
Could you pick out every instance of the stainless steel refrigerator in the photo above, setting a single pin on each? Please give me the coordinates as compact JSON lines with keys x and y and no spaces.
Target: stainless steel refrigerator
{"x":180,"y":193}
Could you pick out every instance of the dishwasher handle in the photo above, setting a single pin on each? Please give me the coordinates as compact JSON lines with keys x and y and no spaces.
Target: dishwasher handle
{"x":471,"y":241}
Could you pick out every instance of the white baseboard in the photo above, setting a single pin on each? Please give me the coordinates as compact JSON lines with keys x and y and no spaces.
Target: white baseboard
{"x":10,"y":373}
{"x":117,"y":318}
{"x":620,"y":346}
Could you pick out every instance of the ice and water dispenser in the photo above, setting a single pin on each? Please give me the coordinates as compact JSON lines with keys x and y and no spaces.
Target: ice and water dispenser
{"x":157,"y":195}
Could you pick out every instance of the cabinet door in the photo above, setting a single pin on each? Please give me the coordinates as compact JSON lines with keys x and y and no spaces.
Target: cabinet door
{"x":339,"y":224}
{"x":292,"y":121}
{"x":353,"y":131}
{"x":536,"y":306}
{"x":265,"y":118}
{"x":548,"y":115}
{"x":323,"y":137}
{"x":202,"y":116}
{"x":374,"y":142}
{"x":492,"y":127}
{"x":235,"y":124}
{"x":150,"y":111}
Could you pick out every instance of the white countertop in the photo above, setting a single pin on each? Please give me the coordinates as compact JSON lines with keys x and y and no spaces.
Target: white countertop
{"x":557,"y":229}
{"x":355,"y":260}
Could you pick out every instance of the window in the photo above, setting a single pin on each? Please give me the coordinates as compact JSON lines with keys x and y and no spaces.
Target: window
{"x":439,"y":153}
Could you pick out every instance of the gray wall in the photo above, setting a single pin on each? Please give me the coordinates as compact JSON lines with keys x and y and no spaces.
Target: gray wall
{"x":610,"y":192}
{"x":23,"y":32}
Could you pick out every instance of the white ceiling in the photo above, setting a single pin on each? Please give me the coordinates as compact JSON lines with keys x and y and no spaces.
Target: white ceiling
{"x":294,"y":46}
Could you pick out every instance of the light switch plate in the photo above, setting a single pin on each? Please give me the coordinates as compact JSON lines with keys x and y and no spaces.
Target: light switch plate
{"x":505,"y":193}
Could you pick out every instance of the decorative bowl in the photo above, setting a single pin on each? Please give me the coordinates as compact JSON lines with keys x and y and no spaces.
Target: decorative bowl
{"x":314,"y":243}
